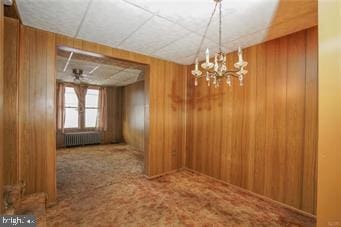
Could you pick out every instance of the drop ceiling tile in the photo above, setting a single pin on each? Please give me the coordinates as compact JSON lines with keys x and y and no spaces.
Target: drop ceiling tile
{"x":184,"y":48}
{"x":153,"y":35}
{"x":240,"y":19}
{"x":132,"y":71}
{"x":191,"y":14}
{"x":104,"y":75}
{"x":248,"y":40}
{"x":125,"y":76}
{"x":76,"y":64}
{"x":187,"y":60}
{"x":61,"y":17}
{"x":121,"y":84}
{"x":111,"y":21}
{"x":168,"y":29}
{"x":66,"y":77}
{"x":60,"y":63}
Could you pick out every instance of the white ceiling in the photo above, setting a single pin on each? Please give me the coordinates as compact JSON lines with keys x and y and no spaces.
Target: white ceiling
{"x":167,"y":29}
{"x":104,"y":75}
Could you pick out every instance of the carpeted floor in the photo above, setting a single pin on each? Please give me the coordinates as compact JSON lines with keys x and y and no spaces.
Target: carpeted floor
{"x":103,"y":186}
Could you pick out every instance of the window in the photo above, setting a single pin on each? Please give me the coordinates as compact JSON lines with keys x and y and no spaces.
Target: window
{"x":91,"y":108}
{"x":71,"y":108}
{"x":82,"y":113}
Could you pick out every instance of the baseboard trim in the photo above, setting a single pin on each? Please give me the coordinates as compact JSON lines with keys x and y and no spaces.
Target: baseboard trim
{"x":294,"y":209}
{"x":162,"y":174}
{"x":51,"y":204}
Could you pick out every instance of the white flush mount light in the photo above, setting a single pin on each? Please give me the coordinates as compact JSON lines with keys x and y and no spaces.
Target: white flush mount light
{"x":215,"y":72}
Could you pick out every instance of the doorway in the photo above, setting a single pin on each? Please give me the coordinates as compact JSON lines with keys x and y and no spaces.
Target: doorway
{"x":100,"y":127}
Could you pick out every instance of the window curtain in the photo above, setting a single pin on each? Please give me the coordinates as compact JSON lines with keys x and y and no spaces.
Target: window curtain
{"x":80,"y":92}
{"x":60,"y":107}
{"x":101,"y":122}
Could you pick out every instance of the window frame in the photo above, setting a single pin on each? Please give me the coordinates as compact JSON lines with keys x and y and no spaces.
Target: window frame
{"x":81,"y":114}
{"x":98,"y":107}
{"x":79,"y":118}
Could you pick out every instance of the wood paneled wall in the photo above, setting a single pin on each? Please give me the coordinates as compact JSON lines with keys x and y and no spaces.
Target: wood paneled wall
{"x":133,"y":114}
{"x":11,"y":53}
{"x":164,"y":108}
{"x":114,"y":131}
{"x":1,"y":103}
{"x":262,"y":136}
{"x":165,"y":104}
{"x":37,"y":130}
{"x":329,"y":110}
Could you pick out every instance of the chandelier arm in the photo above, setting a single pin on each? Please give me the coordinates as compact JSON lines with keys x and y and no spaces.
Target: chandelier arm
{"x":227,"y":72}
{"x":233,"y":74}
{"x":205,"y":33}
{"x":198,"y":77}
{"x":232,"y":71}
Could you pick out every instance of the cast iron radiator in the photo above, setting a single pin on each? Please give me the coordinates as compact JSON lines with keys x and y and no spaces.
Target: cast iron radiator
{"x":81,"y":138}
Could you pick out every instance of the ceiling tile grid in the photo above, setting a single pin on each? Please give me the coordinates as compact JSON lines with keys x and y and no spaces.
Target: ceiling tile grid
{"x":184,"y":47}
{"x":107,"y":75}
{"x":154,"y":35}
{"x":111,"y":21}
{"x":62,"y":17}
{"x":167,"y":29}
{"x":191,"y":14}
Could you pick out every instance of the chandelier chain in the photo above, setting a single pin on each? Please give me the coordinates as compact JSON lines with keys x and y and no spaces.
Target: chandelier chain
{"x":205,"y":33}
{"x":220,"y":27}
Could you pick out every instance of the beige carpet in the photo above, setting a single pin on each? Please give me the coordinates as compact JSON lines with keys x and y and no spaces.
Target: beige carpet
{"x":104,"y":186}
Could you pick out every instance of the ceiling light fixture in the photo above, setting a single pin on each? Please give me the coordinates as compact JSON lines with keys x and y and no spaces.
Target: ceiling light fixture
{"x":94,"y":69}
{"x":68,"y":62}
{"x":215,"y":72}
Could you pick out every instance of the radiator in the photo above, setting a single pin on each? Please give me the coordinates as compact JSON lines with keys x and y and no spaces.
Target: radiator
{"x":81,"y":138}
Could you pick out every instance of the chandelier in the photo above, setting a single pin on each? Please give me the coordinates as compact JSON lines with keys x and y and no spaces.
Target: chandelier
{"x":215,"y":72}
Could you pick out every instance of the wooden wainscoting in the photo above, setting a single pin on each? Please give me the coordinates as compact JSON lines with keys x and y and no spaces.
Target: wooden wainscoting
{"x":262,"y":136}
{"x":133,"y":114}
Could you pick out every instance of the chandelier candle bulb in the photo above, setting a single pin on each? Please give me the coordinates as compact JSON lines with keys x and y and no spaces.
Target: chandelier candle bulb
{"x":196,"y":64}
{"x":207,"y":56}
{"x":240,"y":55}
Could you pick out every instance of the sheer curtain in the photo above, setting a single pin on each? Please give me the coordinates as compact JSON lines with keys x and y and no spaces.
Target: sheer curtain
{"x":101,"y":123}
{"x":80,"y":92}
{"x":60,"y":107}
